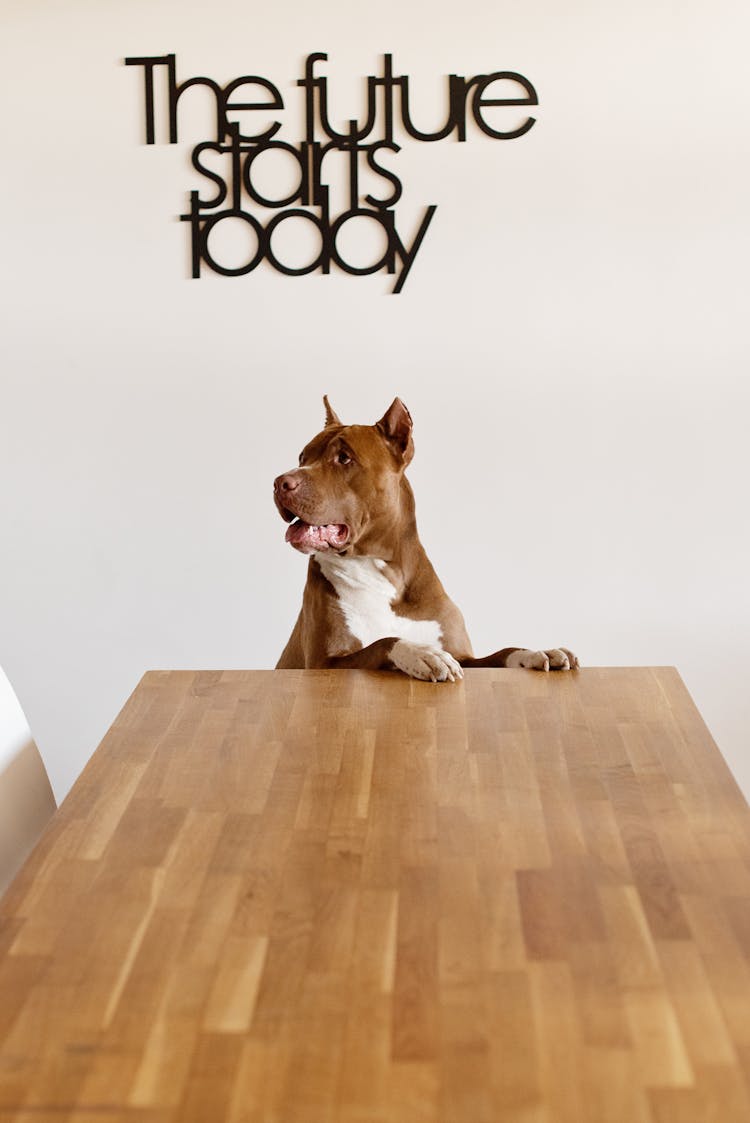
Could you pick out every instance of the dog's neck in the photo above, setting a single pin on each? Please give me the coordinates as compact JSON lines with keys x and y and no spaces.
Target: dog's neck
{"x":393,"y":536}
{"x":391,"y":545}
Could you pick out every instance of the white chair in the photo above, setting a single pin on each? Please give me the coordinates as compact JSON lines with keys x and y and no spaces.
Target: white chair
{"x":26,"y":799}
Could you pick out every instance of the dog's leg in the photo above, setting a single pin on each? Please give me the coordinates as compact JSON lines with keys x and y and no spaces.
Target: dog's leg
{"x":374,"y":657}
{"x":554,"y":659}
{"x":418,"y":660}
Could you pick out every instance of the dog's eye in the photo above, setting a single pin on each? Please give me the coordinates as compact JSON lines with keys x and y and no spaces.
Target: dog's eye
{"x":343,"y":458}
{"x":301,"y":457}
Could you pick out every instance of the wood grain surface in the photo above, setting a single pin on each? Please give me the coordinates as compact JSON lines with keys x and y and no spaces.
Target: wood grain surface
{"x":348,"y":897}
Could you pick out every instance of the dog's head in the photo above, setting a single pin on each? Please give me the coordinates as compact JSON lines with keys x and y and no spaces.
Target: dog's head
{"x":345,"y":495}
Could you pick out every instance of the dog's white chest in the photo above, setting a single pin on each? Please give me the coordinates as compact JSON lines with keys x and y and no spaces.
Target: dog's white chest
{"x":365,"y":597}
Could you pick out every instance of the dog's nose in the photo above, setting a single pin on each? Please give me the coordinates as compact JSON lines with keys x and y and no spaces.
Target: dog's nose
{"x":283,"y":484}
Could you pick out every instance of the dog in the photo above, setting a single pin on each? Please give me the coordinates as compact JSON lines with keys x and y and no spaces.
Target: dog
{"x":372,"y":598}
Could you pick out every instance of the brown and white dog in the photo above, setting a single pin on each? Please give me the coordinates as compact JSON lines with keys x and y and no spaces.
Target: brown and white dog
{"x":372,"y":598}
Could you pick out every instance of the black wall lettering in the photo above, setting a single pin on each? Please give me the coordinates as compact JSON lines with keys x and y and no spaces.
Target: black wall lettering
{"x":364,"y":139}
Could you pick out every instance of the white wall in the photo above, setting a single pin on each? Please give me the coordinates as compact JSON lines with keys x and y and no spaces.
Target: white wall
{"x":572,"y":343}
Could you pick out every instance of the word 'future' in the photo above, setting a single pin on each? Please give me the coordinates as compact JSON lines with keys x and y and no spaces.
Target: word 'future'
{"x":480,"y":97}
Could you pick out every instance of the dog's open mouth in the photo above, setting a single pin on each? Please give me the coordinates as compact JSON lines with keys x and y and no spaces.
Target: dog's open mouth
{"x":307,"y":539}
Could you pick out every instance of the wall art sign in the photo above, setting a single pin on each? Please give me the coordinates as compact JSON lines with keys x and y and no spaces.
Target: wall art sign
{"x":365,"y":144}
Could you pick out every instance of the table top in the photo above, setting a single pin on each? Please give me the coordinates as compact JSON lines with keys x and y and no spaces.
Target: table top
{"x":351,"y":897}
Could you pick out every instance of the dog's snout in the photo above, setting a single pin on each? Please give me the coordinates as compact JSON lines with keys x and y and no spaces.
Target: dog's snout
{"x":286,"y":483}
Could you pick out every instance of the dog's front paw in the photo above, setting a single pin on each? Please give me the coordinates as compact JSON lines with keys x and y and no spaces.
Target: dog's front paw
{"x":555,"y":659}
{"x":420,"y":660}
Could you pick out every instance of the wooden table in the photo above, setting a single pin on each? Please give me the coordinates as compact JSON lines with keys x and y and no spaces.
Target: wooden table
{"x":347,"y":897}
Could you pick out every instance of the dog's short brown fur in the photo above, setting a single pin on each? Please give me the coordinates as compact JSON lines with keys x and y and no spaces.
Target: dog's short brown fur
{"x":372,"y":598}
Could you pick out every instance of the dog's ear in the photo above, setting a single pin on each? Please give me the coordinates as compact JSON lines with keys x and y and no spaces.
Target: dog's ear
{"x":396,"y":427}
{"x":331,"y":417}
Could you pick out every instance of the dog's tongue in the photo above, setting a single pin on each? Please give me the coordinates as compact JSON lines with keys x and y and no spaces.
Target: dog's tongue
{"x":308,"y":538}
